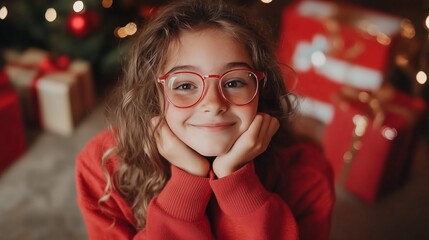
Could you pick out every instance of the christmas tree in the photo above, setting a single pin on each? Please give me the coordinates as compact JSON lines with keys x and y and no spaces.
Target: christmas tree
{"x":94,"y":30}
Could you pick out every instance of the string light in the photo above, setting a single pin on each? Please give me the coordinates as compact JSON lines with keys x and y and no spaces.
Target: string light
{"x":401,"y":60}
{"x":3,"y":12}
{"x":78,"y":6}
{"x":421,"y":77}
{"x":383,"y":39}
{"x":131,"y":28}
{"x":407,"y":29}
{"x":107,"y":3}
{"x":128,"y":30}
{"x":50,"y":14}
{"x":363,"y":97}
{"x":78,"y":23}
{"x":360,"y":122}
{"x":389,"y":133}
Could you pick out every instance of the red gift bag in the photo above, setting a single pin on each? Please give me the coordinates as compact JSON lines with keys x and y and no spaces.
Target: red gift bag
{"x":370,"y":140}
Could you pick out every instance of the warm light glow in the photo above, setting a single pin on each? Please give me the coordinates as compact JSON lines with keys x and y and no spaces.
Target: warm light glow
{"x":357,"y":145}
{"x":383,"y":39}
{"x":363,"y":97}
{"x":78,"y":23}
{"x":78,"y":6}
{"x":131,"y":28}
{"x":50,"y":15}
{"x":360,"y":122}
{"x":389,"y":133}
{"x":3,"y":12}
{"x":318,"y":58}
{"x":107,"y":3}
{"x":120,"y":32}
{"x":407,"y":29}
{"x":421,"y":77}
{"x":401,"y":60}
{"x":348,"y":157}
{"x":128,"y":30}
{"x":368,"y":27}
{"x":266,"y":1}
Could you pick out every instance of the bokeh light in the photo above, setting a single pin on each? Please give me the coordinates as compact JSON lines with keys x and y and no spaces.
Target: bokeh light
{"x":50,"y":14}
{"x":3,"y":12}
{"x":421,"y":77}
{"x":78,"y":6}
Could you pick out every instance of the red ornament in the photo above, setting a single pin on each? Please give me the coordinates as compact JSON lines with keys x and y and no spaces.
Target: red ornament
{"x":148,"y":11}
{"x":82,"y":24}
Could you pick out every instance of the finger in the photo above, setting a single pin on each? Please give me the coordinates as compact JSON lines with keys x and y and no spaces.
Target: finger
{"x":274,"y":126}
{"x":254,"y":128}
{"x":270,"y":126}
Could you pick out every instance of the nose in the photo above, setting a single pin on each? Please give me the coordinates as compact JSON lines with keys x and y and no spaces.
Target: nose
{"x":212,"y":101}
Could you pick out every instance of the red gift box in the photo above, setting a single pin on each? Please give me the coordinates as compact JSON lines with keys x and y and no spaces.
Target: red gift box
{"x":12,"y":135}
{"x":332,"y":44}
{"x":370,"y":140}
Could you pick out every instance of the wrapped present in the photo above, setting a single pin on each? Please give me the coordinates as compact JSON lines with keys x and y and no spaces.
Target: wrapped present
{"x":55,"y":93}
{"x":12,"y":137}
{"x":331,"y":44}
{"x":371,"y":138}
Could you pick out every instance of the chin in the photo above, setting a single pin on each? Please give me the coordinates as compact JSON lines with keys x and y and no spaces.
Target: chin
{"x":211,"y":151}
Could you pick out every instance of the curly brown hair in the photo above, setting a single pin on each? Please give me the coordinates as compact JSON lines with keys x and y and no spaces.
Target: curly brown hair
{"x":142,"y":172}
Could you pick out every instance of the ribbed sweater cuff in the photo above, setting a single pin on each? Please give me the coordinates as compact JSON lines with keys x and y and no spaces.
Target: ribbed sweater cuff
{"x":241,"y":192}
{"x":185,"y":196}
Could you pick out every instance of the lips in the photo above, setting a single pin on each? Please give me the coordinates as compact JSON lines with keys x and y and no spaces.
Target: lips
{"x":213,"y":126}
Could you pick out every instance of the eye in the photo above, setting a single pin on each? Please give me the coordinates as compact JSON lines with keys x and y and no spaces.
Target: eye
{"x":184,"y":86}
{"x":234,"y":83}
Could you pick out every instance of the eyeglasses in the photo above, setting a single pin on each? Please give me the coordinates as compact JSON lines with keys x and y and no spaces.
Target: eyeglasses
{"x":237,"y":86}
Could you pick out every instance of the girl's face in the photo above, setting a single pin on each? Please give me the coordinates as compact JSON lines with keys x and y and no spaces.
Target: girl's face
{"x":211,"y":126}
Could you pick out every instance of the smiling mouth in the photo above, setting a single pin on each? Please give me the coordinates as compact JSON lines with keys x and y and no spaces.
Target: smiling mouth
{"x":213,"y":127}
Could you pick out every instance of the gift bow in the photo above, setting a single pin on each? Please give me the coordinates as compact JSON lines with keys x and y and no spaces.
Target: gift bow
{"x":373,"y":104}
{"x":306,"y":52}
{"x":51,"y":64}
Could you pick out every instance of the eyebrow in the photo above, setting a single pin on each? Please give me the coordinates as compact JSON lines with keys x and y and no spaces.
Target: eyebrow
{"x":228,"y":66}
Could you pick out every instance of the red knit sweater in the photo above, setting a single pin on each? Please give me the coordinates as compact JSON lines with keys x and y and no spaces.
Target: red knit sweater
{"x":291,"y":199}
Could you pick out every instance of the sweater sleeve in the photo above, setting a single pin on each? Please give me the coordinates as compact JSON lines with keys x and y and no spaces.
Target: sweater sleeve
{"x":179,"y":210}
{"x":307,"y":185}
{"x":177,"y":213}
{"x":249,"y":210}
{"x":111,"y":219}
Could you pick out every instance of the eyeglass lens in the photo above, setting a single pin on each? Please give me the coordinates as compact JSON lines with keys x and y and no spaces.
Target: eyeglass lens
{"x":185,"y":88}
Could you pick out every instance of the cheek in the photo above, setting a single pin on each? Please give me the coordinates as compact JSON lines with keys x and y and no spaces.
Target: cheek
{"x":170,"y":117}
{"x":247,"y":113}
{"x":175,"y":117}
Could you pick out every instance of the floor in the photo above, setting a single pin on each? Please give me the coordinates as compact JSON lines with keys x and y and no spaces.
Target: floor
{"x":38,"y":199}
{"x":37,"y":193}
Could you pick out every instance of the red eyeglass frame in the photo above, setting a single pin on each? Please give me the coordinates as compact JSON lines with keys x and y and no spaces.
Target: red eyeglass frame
{"x":259,"y":76}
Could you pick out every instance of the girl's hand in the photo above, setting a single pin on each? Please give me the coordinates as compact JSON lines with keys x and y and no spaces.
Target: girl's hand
{"x":248,"y":146}
{"x":177,"y":152}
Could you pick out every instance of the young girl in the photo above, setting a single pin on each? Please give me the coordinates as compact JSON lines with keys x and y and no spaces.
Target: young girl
{"x":199,"y":148}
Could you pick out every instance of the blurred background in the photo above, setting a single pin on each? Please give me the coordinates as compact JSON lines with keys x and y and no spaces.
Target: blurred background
{"x":360,"y":84}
